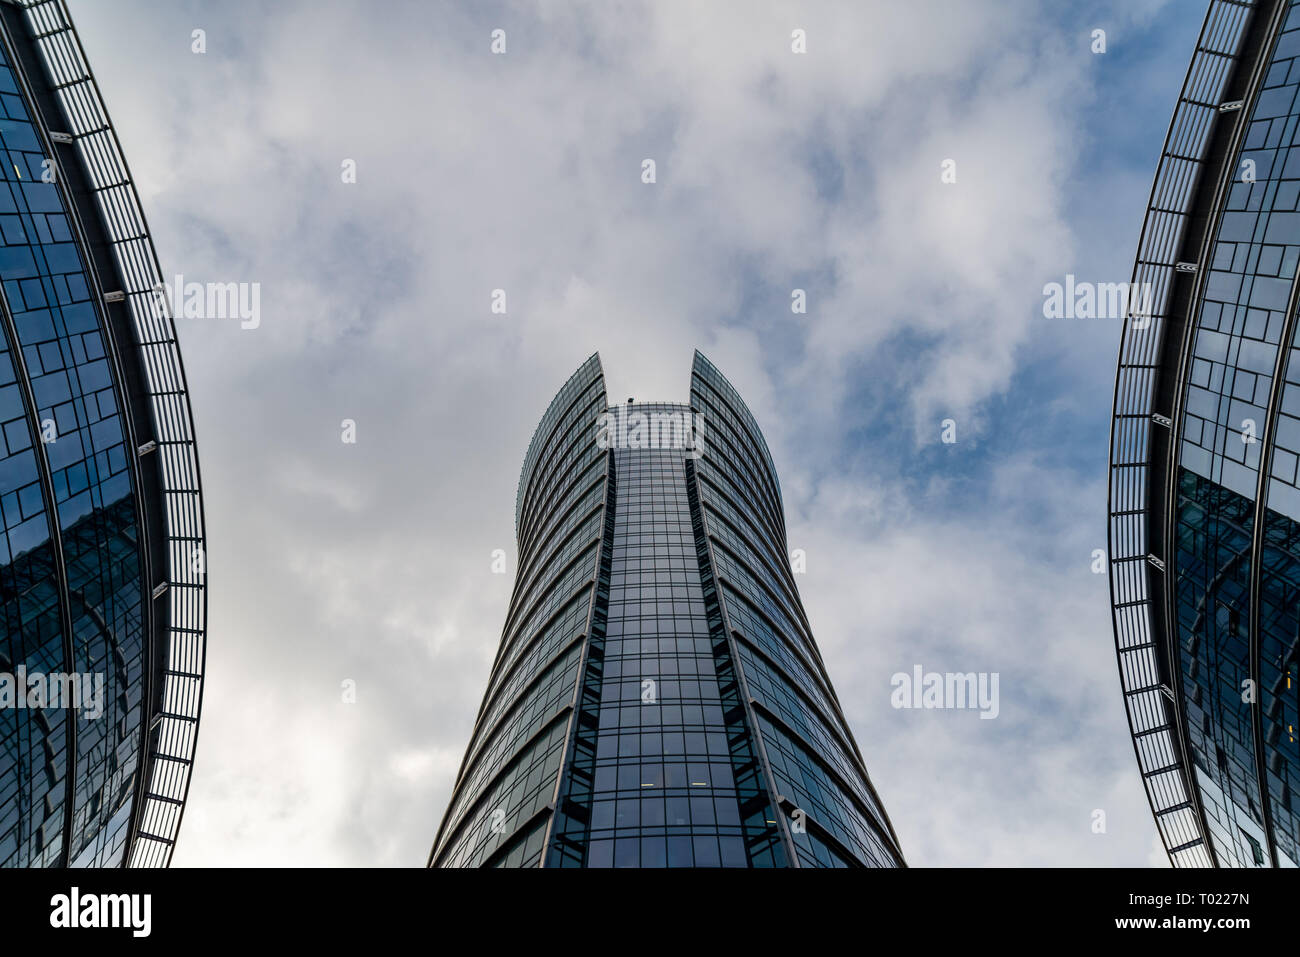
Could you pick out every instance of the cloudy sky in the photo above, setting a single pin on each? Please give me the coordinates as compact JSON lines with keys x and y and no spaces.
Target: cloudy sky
{"x":371,"y":562}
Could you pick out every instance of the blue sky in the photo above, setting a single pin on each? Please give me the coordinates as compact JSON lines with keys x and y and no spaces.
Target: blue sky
{"x":371,"y":562}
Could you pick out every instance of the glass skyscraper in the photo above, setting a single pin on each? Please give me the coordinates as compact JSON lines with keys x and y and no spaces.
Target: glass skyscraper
{"x":657,"y":699}
{"x":1204,"y":528}
{"x":101,"y":560}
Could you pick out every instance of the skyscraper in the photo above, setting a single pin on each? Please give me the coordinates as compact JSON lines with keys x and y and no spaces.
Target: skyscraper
{"x":1204,"y":527}
{"x":101,"y":560}
{"x":657,"y":699}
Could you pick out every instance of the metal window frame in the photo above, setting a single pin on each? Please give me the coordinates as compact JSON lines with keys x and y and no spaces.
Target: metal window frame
{"x":1139,"y":579}
{"x":172,"y":714}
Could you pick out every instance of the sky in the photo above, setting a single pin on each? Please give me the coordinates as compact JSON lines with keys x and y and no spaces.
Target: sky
{"x":369,"y":563}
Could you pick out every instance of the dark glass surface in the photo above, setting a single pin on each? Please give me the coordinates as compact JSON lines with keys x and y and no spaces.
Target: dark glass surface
{"x":1237,"y":421}
{"x":78,"y":546}
{"x":1213,"y":600}
{"x":657,"y":687}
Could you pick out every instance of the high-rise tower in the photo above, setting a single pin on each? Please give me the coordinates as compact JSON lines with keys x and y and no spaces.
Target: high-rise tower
{"x":1204,"y":527}
{"x":102,"y":591}
{"x":657,"y":699}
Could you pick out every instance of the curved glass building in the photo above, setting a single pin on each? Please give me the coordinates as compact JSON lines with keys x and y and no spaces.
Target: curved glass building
{"x":1204,"y":504}
{"x":657,"y":699}
{"x":102,"y":596}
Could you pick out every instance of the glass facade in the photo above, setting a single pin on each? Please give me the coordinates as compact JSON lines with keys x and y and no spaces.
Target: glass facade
{"x":84,"y":566}
{"x":1228,"y":582}
{"x":657,"y":699}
